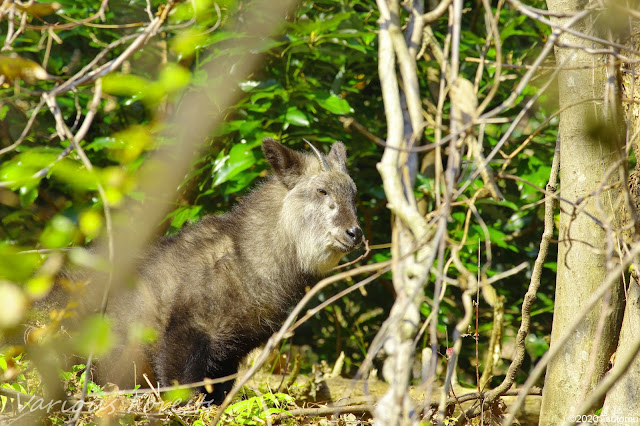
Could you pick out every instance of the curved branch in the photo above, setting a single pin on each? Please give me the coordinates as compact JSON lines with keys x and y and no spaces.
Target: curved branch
{"x":435,"y":14}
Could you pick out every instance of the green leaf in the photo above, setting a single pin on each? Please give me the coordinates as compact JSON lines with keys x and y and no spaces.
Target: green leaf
{"x":296,"y":117}
{"x":249,"y":85}
{"x":538,"y":174}
{"x":16,"y":266}
{"x":74,"y":173}
{"x":39,"y":286}
{"x":13,"y":304}
{"x":177,"y":396}
{"x":28,"y":195}
{"x":185,"y":11}
{"x":536,"y":346}
{"x":20,"y":170}
{"x":127,"y":145}
{"x":90,"y":223}
{"x":100,"y":143}
{"x":124,"y":84}
{"x":185,"y":43}
{"x":247,"y":127}
{"x":173,"y":78}
{"x":425,"y":309}
{"x":95,"y":336}
{"x":240,"y":158}
{"x":240,"y":182}
{"x":184,"y":214}
{"x":245,"y":412}
{"x":334,"y":104}
{"x":320,"y":26}
{"x":497,"y":237}
{"x":60,"y":232}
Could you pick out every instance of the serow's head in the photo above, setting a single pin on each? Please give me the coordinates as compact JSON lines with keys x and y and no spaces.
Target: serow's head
{"x":318,"y":212}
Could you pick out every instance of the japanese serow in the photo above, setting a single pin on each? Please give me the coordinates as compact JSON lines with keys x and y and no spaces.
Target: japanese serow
{"x":221,"y":287}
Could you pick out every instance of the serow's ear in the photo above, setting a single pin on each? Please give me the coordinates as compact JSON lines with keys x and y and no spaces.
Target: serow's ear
{"x":286,"y":163}
{"x":338,"y":156}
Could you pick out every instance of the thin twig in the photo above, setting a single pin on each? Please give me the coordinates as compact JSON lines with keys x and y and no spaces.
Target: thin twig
{"x":534,"y":283}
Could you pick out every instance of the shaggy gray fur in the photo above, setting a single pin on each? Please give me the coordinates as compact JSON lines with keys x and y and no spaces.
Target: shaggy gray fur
{"x":221,"y":287}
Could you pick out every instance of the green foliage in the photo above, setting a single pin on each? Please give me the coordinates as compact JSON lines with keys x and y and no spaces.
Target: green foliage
{"x":75,"y":378}
{"x":16,"y":266}
{"x":23,"y":380}
{"x":172,"y":78}
{"x":254,"y":410}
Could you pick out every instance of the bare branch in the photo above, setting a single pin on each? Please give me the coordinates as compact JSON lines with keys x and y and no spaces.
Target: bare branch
{"x":534,"y":283}
{"x":435,"y":14}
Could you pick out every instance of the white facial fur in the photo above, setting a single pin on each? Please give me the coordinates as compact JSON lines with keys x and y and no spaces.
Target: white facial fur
{"x":314,"y":217}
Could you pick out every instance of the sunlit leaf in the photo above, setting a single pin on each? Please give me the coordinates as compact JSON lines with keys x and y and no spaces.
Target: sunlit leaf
{"x":95,"y":336}
{"x":16,"y":266}
{"x":334,"y":104}
{"x":184,"y":214}
{"x":193,"y":9}
{"x":240,"y":158}
{"x":14,"y":67}
{"x":39,"y":8}
{"x":124,"y":84}
{"x":127,"y":145}
{"x":187,"y":42}
{"x":90,"y":223}
{"x":75,"y":174}
{"x":39,"y":286}
{"x":60,"y":232}
{"x":296,"y":117}
{"x":13,"y":304}
{"x":20,"y":170}
{"x":177,"y":396}
{"x":174,"y":77}
{"x":28,"y":195}
{"x":248,"y":85}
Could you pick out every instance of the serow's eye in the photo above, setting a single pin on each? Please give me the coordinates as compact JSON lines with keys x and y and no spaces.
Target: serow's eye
{"x":322,"y":192}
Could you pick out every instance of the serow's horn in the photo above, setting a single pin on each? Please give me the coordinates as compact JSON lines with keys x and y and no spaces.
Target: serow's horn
{"x":323,"y":162}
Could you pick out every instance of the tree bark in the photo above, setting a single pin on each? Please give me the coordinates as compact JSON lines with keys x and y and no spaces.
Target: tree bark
{"x":589,"y":152}
{"x":622,"y":399}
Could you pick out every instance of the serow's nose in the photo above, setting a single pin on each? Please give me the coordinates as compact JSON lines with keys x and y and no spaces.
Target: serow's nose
{"x":354,"y":234}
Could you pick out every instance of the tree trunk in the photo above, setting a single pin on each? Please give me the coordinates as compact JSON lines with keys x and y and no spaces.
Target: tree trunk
{"x":622,"y":399}
{"x":590,"y":148}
